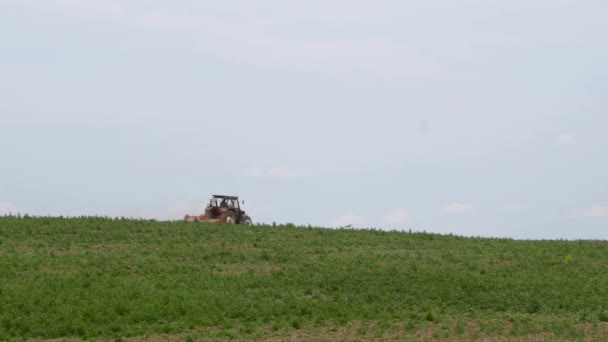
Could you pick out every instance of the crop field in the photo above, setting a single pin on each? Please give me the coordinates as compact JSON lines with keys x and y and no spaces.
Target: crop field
{"x":133,"y":280}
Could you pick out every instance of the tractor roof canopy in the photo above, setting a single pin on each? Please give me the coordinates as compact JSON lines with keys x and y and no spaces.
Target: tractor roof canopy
{"x":226,"y":197}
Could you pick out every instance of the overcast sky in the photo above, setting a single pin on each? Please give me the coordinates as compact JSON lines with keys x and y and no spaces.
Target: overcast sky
{"x":472,"y":117}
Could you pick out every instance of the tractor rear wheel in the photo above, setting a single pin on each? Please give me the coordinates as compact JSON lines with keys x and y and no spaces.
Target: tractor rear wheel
{"x":228,"y":217}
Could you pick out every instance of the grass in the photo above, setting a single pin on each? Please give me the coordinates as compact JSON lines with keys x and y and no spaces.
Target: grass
{"x":101,"y":278}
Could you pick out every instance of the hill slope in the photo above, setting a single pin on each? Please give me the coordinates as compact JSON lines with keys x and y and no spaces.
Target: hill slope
{"x":100,"y":277}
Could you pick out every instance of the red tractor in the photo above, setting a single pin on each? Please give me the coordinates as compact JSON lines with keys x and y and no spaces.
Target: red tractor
{"x":224,"y":209}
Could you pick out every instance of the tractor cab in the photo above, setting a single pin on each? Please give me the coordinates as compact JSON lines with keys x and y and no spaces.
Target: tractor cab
{"x":218,"y":201}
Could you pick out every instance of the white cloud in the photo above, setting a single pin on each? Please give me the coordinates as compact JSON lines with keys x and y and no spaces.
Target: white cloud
{"x":273,"y":172}
{"x":594,"y":211}
{"x":397,"y":216}
{"x":349,"y":219}
{"x":7,"y":208}
{"x":457,"y":208}
{"x":246,"y":39}
{"x":566,"y":139}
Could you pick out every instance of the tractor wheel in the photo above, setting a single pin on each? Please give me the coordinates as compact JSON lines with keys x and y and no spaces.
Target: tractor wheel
{"x":246,"y":220}
{"x":228,"y":217}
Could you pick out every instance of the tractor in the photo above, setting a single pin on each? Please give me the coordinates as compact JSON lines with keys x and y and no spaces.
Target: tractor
{"x":224,"y":209}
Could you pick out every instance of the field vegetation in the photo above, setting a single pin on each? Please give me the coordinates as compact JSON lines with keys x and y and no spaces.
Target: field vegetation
{"x":103,"y":278}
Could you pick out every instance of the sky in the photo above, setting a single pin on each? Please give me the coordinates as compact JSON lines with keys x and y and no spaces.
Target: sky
{"x":476,"y":118}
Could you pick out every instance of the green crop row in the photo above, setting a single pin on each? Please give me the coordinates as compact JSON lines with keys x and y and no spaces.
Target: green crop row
{"x":95,"y":277}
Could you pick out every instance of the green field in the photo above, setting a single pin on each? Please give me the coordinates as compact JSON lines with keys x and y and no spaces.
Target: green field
{"x":101,"y":278}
